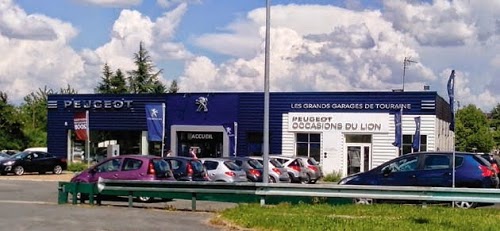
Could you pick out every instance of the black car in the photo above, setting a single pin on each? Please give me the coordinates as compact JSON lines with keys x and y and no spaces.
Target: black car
{"x":33,"y":161}
{"x":429,"y":169}
{"x":187,"y":168}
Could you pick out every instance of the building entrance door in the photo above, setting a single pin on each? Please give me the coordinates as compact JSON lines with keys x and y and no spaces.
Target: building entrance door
{"x":358,"y":158}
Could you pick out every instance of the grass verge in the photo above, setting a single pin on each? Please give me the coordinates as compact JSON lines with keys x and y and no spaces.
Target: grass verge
{"x":357,"y":217}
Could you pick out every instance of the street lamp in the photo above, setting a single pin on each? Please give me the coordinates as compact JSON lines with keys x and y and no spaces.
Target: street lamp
{"x":265,"y":154}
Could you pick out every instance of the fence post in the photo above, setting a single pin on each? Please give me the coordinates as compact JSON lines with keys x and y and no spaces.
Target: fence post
{"x":130,"y":199}
{"x":63,"y":194}
{"x":193,"y":202}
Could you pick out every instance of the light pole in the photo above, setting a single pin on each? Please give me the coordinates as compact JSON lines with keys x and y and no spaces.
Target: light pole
{"x":265,"y":154}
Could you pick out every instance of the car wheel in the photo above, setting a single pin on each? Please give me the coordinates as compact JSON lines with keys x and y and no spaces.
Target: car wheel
{"x":57,"y":169}
{"x":363,"y":201}
{"x":145,"y":199}
{"x":465,"y":204}
{"x":306,"y":180}
{"x":19,"y":170}
{"x":272,"y":180}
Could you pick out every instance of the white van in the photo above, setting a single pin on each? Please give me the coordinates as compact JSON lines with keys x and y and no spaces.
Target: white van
{"x":37,"y":149}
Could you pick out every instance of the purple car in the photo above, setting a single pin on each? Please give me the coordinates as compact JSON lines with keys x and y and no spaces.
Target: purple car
{"x":128,"y":167}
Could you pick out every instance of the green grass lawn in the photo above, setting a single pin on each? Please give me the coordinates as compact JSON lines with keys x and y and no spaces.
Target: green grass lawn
{"x":358,"y":217}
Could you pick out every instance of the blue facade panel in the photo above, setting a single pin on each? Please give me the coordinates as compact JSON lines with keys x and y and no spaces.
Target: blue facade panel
{"x":247,"y":109}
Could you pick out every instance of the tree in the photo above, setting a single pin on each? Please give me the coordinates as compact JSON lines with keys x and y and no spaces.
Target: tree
{"x":472,"y":130}
{"x":34,"y":117}
{"x":105,"y":86}
{"x":11,"y":135}
{"x":495,"y":124}
{"x":174,"y":88}
{"x":118,"y":83}
{"x":144,"y":79}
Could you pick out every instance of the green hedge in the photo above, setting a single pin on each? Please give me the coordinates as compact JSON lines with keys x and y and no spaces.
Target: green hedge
{"x":77,"y":167}
{"x":333,"y":177}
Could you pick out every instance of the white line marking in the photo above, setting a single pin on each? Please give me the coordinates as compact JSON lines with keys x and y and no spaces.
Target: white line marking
{"x":27,"y":202}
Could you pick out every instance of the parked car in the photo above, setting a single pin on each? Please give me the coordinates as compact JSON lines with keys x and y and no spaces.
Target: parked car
{"x":33,"y":161}
{"x":277,"y":172}
{"x":187,"y":168}
{"x":313,"y":167}
{"x":296,"y":168}
{"x":494,"y":161}
{"x":127,"y":167}
{"x":223,"y":170}
{"x":253,"y":168}
{"x":430,"y":169}
{"x":4,"y":156}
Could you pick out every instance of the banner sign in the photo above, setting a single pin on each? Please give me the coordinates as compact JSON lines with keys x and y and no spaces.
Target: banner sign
{"x":155,"y":115}
{"x":416,"y":137}
{"x":81,"y":123}
{"x":230,"y":129}
{"x":451,"y":94}
{"x":398,"y":127}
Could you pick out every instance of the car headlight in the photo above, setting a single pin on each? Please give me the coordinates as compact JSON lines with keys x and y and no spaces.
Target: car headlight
{"x":345,"y":180}
{"x":11,"y":162}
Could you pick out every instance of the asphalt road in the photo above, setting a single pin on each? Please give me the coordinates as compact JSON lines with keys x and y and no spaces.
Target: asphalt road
{"x":32,"y":205}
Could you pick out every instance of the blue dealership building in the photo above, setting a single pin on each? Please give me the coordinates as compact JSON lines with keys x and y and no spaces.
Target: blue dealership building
{"x":347,"y":132}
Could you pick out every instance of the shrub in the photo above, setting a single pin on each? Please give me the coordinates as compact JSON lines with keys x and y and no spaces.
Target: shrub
{"x":332,"y":177}
{"x":77,"y":167}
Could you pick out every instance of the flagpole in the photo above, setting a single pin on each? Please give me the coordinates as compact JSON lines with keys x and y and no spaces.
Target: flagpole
{"x":87,"y":142}
{"x":163,"y":133}
{"x":401,"y":144}
{"x":235,"y":137}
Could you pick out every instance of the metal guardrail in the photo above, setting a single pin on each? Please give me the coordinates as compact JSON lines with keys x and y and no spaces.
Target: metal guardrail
{"x":248,"y":192}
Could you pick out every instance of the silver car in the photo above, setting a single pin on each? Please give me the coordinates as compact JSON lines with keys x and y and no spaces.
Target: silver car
{"x":296,"y":168}
{"x":277,"y":172}
{"x":223,"y":170}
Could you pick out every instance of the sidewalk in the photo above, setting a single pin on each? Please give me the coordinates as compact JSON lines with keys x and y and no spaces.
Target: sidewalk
{"x":65,"y":176}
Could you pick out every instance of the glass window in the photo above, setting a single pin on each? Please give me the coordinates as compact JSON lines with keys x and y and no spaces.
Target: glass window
{"x":160,"y":166}
{"x":408,"y":142}
{"x":131,"y":164}
{"x":405,"y":164}
{"x":110,"y":165}
{"x":255,"y":143}
{"x":308,"y":145}
{"x":232,"y":166}
{"x":210,"y":165}
{"x":255,"y":164}
{"x":436,"y":162}
{"x":174,"y":164}
{"x":358,"y":138}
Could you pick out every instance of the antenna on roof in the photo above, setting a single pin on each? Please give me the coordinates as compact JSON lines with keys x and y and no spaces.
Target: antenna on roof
{"x":407,"y":61}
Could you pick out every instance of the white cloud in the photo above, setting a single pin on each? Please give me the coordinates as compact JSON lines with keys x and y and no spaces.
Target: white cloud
{"x":342,"y":50}
{"x":38,"y":53}
{"x":338,"y":49}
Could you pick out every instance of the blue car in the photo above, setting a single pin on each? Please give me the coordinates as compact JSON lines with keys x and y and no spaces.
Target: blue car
{"x":430,"y":169}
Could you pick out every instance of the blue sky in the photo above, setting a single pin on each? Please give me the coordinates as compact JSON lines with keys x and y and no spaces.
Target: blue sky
{"x":217,"y":45}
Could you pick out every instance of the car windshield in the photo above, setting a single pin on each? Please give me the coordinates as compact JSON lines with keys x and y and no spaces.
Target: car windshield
{"x":4,"y":156}
{"x":197,"y":165}
{"x":276,"y":163}
{"x":312,"y":161}
{"x":232,"y":166}
{"x":160,"y":165}
{"x":19,"y":155}
{"x":255,"y":163}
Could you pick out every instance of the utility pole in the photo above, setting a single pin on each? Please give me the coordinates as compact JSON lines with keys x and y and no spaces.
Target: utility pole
{"x":407,"y":61}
